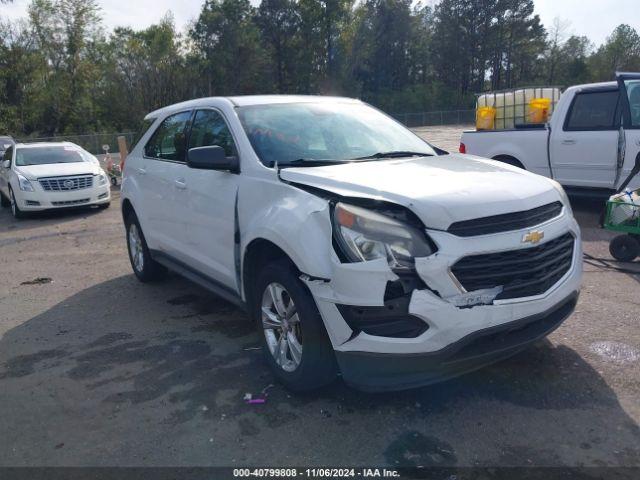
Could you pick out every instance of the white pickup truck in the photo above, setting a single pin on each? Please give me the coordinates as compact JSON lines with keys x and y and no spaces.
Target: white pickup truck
{"x":590,"y":142}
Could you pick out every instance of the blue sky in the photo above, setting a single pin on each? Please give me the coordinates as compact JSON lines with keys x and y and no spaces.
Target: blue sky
{"x":593,"y":18}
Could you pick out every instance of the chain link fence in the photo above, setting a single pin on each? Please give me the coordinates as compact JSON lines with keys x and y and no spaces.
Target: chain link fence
{"x":93,"y":143}
{"x":442,"y":117}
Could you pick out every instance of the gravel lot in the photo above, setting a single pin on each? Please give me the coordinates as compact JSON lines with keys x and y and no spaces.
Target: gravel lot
{"x":98,"y":369}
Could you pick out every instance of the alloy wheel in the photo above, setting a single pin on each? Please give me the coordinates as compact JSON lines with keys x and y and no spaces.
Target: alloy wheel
{"x":135,"y":248}
{"x":281,"y":325}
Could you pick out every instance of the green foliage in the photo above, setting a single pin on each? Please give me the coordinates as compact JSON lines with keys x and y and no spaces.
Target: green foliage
{"x":62,"y":71}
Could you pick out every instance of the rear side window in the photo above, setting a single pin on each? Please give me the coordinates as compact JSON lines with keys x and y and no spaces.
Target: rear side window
{"x":169,"y":141}
{"x":209,"y":128}
{"x":146,"y":125}
{"x":593,"y":111}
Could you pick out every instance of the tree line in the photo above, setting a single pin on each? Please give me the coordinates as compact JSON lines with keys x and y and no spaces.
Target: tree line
{"x":63,"y":72}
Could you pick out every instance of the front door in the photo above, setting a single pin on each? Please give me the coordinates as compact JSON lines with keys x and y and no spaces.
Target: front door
{"x":630,"y":87}
{"x":209,"y":213}
{"x":584,"y":150}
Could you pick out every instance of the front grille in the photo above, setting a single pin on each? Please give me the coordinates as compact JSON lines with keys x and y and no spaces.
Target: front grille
{"x":66,"y":184}
{"x":69,"y":203}
{"x":521,"y":273}
{"x":506,"y":222}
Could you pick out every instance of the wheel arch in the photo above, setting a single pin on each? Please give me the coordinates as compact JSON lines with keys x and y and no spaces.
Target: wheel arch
{"x":509,"y":160}
{"x":258,"y":253}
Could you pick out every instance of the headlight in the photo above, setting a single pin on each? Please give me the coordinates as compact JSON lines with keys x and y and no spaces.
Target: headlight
{"x":366,"y":235}
{"x":102,"y":179}
{"x":25,"y":185}
{"x":563,"y":196}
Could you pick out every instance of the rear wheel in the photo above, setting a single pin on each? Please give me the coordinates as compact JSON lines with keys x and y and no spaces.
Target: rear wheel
{"x":145,"y":267}
{"x":624,"y":248}
{"x":295,"y":342}
{"x":15,"y":210}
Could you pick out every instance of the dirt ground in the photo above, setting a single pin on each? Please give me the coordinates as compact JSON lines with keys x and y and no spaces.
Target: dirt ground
{"x":99,"y":369}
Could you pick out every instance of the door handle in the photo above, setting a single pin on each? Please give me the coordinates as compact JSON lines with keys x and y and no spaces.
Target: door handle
{"x":568,"y":142}
{"x":181,"y":184}
{"x":141,"y":171}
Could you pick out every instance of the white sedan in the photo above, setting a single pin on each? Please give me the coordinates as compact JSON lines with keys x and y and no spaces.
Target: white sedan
{"x":43,"y":176}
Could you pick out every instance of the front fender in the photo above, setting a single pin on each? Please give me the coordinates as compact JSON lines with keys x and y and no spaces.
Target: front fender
{"x":296,"y":221}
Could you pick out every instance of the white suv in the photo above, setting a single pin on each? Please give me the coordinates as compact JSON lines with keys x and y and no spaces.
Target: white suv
{"x":357,"y":247}
{"x":42,"y":176}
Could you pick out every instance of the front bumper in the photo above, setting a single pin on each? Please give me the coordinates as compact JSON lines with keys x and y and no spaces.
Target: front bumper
{"x":380,"y":372}
{"x":46,"y":200}
{"x":364,"y":284}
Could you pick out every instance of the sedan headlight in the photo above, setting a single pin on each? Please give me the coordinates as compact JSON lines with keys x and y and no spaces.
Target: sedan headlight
{"x":365,"y":235}
{"x":563,"y":196}
{"x":102,"y":179}
{"x":25,"y":185}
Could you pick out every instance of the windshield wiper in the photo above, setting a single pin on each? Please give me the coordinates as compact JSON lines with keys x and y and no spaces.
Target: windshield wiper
{"x":310,"y":162}
{"x":395,"y":154}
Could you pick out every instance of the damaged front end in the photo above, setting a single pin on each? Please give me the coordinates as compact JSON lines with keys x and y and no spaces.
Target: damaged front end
{"x":394,"y":288}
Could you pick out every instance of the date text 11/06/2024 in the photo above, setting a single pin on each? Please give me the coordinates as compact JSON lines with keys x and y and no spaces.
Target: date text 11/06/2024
{"x":316,"y":473}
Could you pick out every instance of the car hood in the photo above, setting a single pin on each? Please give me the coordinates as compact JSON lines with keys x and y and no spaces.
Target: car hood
{"x":33,"y":172}
{"x":440,"y":190}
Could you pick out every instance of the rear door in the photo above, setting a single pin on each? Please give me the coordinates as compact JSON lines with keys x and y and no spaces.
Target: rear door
{"x":209,"y":212}
{"x":629,"y":84}
{"x":584,"y":152}
{"x":163,"y":165}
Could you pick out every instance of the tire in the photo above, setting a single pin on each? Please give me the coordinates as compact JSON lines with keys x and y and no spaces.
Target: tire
{"x":316,"y":365}
{"x":104,"y":206}
{"x":4,"y":201}
{"x":624,"y":248}
{"x":15,"y":210}
{"x":144,"y":267}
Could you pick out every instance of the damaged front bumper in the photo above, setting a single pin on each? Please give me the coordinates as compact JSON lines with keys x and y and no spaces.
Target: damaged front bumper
{"x":378,"y":371}
{"x":464,"y":330}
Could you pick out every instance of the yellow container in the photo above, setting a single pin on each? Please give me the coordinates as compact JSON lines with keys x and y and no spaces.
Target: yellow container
{"x":539,"y":110}
{"x":485,"y":118}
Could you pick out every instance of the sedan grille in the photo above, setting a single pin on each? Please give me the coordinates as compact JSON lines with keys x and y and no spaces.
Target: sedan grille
{"x":66,"y":184}
{"x":521,"y":273}
{"x":506,"y":222}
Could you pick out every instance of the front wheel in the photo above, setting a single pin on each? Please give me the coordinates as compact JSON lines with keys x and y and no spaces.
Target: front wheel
{"x":294,"y":339}
{"x":4,"y":201}
{"x":15,"y":210}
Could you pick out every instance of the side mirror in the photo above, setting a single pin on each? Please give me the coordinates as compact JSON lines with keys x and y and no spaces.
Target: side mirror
{"x":6,"y":163}
{"x":212,"y":158}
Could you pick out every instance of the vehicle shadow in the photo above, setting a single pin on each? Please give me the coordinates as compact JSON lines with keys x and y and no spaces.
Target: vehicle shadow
{"x":120,"y":361}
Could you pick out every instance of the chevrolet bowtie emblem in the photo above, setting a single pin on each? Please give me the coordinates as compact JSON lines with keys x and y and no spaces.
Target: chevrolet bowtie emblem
{"x":533,"y":237}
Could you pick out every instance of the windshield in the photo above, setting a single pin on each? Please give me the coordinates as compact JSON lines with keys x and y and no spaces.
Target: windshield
{"x":325,"y":133}
{"x":45,"y":155}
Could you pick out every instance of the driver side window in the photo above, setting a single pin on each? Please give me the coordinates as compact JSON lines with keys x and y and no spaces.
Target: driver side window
{"x":209,"y":128}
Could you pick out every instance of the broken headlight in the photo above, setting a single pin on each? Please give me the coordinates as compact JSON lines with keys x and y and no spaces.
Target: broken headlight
{"x":365,"y":235}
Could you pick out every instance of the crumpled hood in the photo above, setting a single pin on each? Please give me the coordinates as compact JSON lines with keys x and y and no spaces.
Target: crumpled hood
{"x":33,"y":172}
{"x":440,"y":190}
